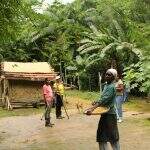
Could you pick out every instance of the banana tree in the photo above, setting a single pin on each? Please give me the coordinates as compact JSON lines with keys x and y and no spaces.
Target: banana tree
{"x":138,"y":76}
{"x":102,"y":45}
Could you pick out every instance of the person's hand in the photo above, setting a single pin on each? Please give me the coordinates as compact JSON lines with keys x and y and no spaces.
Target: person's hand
{"x":93,"y":103}
{"x":89,"y":111}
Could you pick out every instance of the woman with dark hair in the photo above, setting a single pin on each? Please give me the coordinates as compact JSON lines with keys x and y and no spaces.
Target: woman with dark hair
{"x":107,"y":128}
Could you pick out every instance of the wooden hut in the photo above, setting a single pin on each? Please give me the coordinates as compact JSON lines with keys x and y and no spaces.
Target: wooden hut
{"x":21,"y":83}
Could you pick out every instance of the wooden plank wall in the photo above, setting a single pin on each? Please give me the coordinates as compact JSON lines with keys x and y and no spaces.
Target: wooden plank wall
{"x":25,"y":91}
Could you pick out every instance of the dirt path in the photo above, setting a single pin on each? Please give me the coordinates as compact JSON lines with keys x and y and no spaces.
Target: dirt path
{"x":77,"y":133}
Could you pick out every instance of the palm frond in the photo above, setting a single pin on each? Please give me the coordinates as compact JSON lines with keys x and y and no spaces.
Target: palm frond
{"x":91,"y":48}
{"x":106,"y":48}
{"x":79,"y":60}
{"x":94,"y":29}
{"x":87,"y":41}
{"x":83,"y":47}
{"x":129,"y":46}
{"x":119,"y":30}
{"x":91,"y":57}
{"x":137,"y":52}
{"x":92,"y":62}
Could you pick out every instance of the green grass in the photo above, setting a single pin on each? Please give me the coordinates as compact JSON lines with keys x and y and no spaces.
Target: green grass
{"x":90,"y":96}
{"x":143,"y":122}
{"x":134,"y":104}
{"x":146,"y":122}
{"x":137,"y":104}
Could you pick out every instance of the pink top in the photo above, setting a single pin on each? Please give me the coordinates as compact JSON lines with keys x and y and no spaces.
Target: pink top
{"x":48,"y":93}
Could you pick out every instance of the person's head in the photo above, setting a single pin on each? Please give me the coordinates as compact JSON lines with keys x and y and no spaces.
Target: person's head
{"x":51,"y":83}
{"x":47,"y":81}
{"x":58,"y":79}
{"x":110,"y":75}
{"x":118,"y":77}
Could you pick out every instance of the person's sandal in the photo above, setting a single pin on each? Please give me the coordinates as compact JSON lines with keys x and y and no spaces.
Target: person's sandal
{"x":60,"y":117}
{"x":49,"y":125}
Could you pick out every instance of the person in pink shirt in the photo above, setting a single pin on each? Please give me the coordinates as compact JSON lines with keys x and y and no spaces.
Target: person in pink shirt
{"x":48,"y":99}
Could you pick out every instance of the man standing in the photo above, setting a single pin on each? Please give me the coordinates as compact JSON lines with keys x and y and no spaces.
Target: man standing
{"x":48,"y":99}
{"x":59,"y":91}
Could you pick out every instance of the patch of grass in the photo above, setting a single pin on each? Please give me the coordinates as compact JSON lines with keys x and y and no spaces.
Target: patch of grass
{"x":134,"y":104}
{"x":143,"y":122}
{"x":137,"y":105}
{"x":146,"y":122}
{"x":90,"y":96}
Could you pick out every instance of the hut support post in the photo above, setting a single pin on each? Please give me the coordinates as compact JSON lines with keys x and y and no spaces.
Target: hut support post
{"x":100,"y":84}
{"x":7,"y":103}
{"x":3,"y":93}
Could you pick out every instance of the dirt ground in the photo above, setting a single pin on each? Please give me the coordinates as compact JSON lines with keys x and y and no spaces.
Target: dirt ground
{"x":76,"y":133}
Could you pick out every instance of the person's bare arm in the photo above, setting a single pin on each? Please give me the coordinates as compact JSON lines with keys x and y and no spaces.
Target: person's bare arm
{"x":89,"y":111}
{"x":120,"y":88}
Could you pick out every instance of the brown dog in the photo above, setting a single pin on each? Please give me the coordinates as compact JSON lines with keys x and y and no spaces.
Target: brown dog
{"x":79,"y":106}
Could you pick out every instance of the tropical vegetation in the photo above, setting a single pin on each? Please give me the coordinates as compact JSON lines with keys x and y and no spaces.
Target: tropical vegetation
{"x":87,"y":35}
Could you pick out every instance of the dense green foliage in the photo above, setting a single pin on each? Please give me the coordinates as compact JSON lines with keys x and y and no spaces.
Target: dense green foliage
{"x":91,"y":35}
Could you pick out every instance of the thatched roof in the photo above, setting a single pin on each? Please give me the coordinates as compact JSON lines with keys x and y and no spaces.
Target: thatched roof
{"x":27,"y":70}
{"x":36,"y":67}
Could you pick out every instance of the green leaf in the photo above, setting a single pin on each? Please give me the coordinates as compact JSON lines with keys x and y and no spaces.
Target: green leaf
{"x":91,"y":48}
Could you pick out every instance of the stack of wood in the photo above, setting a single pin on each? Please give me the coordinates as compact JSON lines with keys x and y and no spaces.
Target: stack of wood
{"x":25,"y":104}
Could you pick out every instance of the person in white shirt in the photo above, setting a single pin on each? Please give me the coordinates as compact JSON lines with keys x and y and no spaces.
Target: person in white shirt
{"x":119,"y":98}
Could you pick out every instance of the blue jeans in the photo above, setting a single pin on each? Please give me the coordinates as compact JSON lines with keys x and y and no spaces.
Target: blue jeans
{"x":125,"y":95}
{"x":119,"y":102}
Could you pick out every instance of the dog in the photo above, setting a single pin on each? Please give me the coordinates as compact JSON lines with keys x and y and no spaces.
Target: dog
{"x":79,"y":106}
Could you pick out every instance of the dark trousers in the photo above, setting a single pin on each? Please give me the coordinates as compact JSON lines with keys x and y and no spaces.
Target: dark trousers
{"x":59,"y":104}
{"x":47,"y":113}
